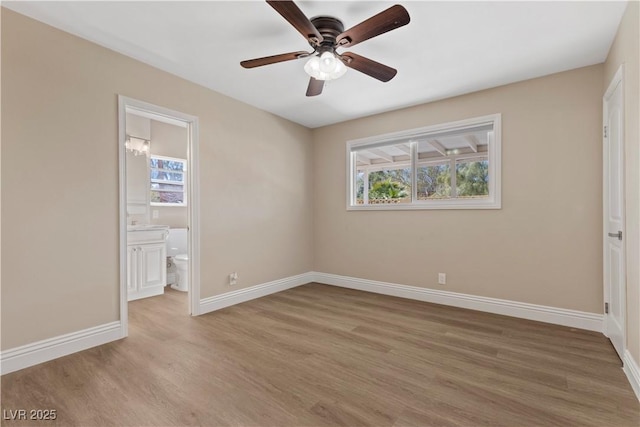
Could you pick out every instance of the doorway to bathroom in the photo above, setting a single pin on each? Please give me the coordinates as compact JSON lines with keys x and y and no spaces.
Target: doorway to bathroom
{"x":159,"y":199}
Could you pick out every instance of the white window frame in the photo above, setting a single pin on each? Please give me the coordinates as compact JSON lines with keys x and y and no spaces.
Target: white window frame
{"x":183,"y":183}
{"x":493,"y":155}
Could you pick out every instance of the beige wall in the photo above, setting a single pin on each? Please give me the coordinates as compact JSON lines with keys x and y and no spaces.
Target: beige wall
{"x":542,"y":247}
{"x":625,"y":50}
{"x":168,"y":140}
{"x":171,"y":141}
{"x":138,"y":126}
{"x":60,"y":211}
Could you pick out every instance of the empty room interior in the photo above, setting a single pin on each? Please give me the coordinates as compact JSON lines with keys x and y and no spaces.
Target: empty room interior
{"x":316,"y":213}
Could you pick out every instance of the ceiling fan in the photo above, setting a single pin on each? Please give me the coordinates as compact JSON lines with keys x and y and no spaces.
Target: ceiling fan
{"x":325,"y":34}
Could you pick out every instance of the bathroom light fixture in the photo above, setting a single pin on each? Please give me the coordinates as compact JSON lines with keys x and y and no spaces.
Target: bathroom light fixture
{"x":137,"y":146}
{"x":326,"y":66}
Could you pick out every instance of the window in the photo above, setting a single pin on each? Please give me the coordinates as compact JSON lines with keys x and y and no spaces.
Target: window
{"x":449,"y":166}
{"x":168,"y":181}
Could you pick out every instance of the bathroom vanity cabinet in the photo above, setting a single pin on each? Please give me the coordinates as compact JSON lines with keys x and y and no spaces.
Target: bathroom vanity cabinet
{"x":146,"y":261}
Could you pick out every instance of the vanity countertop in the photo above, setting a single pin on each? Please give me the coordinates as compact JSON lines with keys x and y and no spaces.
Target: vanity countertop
{"x":146,"y":227}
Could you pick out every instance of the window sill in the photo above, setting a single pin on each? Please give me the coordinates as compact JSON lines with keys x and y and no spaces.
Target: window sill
{"x":440,"y":204}
{"x":180,"y":205}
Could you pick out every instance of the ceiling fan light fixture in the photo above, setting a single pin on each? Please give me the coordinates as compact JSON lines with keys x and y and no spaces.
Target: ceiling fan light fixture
{"x":327,"y":62}
{"x":325,"y":66}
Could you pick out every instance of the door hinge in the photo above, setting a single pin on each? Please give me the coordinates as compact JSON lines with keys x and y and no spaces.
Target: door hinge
{"x":605,"y":131}
{"x":618,"y":234}
{"x":606,"y":308}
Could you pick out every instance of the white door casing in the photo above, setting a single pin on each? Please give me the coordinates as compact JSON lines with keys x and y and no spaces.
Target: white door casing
{"x":193,"y":188}
{"x":613,"y":214}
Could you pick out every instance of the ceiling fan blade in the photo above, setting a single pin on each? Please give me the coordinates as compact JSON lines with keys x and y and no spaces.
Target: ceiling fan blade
{"x":315,"y":87}
{"x":369,"y":67}
{"x":387,"y":20}
{"x":259,"y":62}
{"x":295,"y":17}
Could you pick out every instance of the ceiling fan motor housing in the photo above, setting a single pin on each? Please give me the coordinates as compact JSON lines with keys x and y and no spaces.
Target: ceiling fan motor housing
{"x":329,"y":28}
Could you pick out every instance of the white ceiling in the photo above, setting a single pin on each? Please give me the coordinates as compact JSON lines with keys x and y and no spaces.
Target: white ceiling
{"x":448,"y":48}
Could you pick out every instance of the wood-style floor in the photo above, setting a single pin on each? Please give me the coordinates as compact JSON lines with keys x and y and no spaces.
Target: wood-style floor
{"x":318,"y":355}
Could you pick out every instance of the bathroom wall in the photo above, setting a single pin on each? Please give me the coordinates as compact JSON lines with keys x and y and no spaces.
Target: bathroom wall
{"x":170,"y":141}
{"x":137,"y":173}
{"x":59,"y":106}
{"x":166,"y":140}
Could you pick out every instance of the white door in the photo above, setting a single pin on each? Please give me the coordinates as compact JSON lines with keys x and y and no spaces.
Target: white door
{"x":613,"y":215}
{"x":132,"y":270}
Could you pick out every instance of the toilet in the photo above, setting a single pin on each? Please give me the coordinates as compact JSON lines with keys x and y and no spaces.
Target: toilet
{"x":177,"y":253}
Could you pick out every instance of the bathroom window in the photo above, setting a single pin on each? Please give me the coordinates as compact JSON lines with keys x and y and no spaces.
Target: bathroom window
{"x":168,"y":181}
{"x":448,"y":166}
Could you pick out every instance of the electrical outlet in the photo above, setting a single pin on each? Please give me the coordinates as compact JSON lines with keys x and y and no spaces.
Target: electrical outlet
{"x":442,"y":278}
{"x":155,"y":214}
{"x":233,"y":279}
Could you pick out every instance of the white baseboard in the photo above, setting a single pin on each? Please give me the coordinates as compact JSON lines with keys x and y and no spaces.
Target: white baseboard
{"x":241,"y":295}
{"x":42,"y":351}
{"x":541,"y":313}
{"x":632,"y":371}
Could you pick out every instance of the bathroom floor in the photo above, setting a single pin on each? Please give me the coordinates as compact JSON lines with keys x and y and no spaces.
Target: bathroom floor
{"x":172,"y":305}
